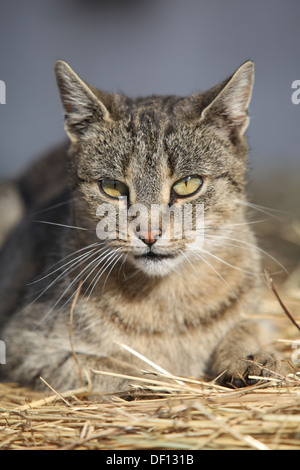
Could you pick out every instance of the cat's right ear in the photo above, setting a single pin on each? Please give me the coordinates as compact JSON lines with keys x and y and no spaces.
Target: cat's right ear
{"x":82,"y":106}
{"x":228,"y":109}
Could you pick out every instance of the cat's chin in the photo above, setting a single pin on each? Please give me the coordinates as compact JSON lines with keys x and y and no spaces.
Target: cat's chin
{"x":156,"y":266}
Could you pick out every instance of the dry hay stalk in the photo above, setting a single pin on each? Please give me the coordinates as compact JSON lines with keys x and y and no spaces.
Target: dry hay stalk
{"x":157,"y":413}
{"x":160,"y":411}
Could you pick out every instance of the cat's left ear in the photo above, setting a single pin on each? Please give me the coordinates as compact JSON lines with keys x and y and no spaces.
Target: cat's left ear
{"x":82,"y":106}
{"x":229,"y":109}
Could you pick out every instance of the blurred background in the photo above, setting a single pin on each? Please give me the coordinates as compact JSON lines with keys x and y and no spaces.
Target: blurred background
{"x":159,"y":46}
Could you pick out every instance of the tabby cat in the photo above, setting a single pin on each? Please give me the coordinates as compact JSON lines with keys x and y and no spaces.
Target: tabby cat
{"x":71,"y":299}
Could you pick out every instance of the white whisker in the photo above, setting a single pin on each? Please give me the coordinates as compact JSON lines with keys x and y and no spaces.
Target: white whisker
{"x":96,"y":278}
{"x":218,"y":274}
{"x":54,"y":206}
{"x":98,"y":275}
{"x":60,"y":225}
{"x":265,"y":210}
{"x":229,"y":264}
{"x":253,"y":247}
{"x":252,"y":222}
{"x":234,"y":245}
{"x":69,"y":286}
{"x":121,"y":266}
{"x":186,"y":257}
{"x":64,"y":273}
{"x":75,"y":260}
{"x":98,"y":262}
{"x":114,"y":264}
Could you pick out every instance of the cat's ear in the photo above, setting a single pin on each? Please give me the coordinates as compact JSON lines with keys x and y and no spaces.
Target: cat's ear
{"x":229,"y":109}
{"x":82,"y":106}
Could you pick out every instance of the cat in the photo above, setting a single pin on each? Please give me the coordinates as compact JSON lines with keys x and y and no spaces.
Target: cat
{"x":70,"y":298}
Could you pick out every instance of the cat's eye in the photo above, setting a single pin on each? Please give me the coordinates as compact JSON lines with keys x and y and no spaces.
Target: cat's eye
{"x":187,"y":186}
{"x":114,"y":188}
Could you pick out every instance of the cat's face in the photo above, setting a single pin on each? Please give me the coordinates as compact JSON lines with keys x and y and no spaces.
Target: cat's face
{"x":152,"y":173}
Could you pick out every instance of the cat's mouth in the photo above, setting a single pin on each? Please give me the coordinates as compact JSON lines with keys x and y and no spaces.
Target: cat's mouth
{"x":156,"y":264}
{"x":154,"y":256}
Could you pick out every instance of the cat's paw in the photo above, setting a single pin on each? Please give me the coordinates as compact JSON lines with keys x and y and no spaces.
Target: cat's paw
{"x":240,"y":372}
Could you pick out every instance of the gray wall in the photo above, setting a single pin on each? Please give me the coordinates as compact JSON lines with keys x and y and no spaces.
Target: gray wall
{"x":141,"y":47}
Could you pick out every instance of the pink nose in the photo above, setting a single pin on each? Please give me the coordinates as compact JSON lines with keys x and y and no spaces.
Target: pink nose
{"x":149,"y":237}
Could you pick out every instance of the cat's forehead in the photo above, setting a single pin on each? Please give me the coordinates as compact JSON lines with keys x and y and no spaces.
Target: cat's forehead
{"x":158,"y":106}
{"x":151,"y":116}
{"x":144,"y":127}
{"x":147,"y":166}
{"x":162,"y":139}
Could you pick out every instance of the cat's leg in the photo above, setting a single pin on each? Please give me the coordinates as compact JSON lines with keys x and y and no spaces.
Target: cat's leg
{"x":81,"y":371}
{"x":64,"y":370}
{"x":240,"y":355}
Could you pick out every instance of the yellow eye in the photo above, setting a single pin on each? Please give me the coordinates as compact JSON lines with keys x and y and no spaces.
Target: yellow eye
{"x":187,"y":186}
{"x":114,"y":188}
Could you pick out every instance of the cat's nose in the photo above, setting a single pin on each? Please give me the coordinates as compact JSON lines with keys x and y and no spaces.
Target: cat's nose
{"x":148,"y":237}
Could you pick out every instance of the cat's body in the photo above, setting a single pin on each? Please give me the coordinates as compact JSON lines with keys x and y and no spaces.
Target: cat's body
{"x":184,"y":306}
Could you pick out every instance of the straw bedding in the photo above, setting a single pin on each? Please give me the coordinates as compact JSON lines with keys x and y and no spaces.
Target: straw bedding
{"x":163,"y":412}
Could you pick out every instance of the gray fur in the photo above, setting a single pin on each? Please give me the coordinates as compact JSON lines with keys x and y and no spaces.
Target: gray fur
{"x":188,"y":313}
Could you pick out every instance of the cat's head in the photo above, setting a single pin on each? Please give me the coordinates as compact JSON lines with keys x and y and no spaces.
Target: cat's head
{"x":133,"y":156}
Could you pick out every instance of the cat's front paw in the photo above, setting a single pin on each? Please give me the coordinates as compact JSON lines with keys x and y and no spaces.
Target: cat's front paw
{"x":240,"y":372}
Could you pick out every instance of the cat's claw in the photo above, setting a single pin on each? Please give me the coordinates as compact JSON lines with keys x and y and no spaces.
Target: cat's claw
{"x":248,"y":370}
